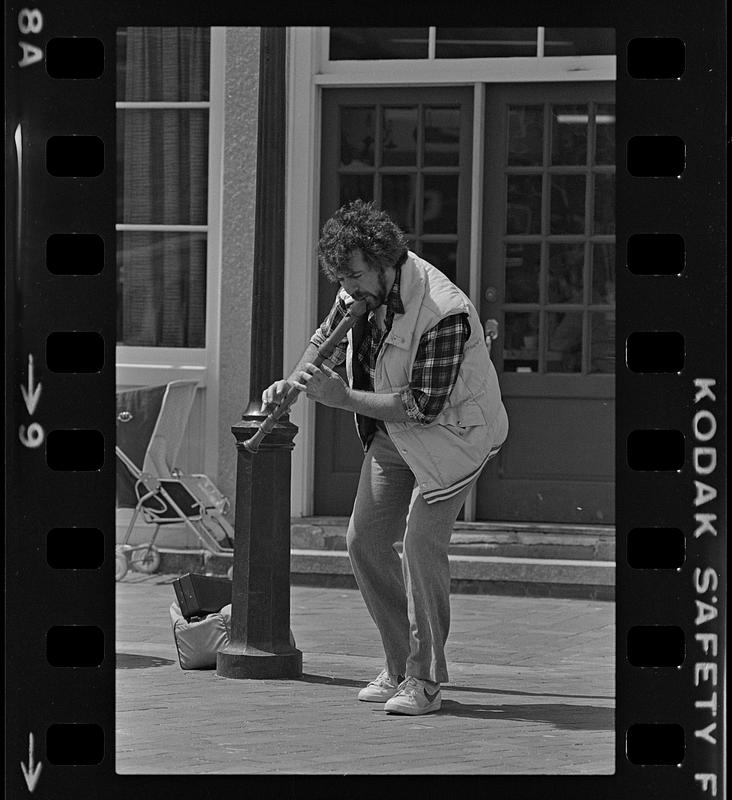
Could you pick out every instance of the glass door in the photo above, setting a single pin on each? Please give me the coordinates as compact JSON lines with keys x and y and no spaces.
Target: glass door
{"x":548,"y":279}
{"x":408,"y":150}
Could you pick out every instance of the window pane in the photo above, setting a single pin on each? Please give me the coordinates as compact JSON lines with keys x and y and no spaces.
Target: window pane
{"x":522,"y":264}
{"x":356,"y":187}
{"x":442,"y":255}
{"x":399,"y":137}
{"x":357,"y":136}
{"x":161,"y":289}
{"x":603,"y":274}
{"x":604,"y":203}
{"x":579,"y":41}
{"x":523,"y":209}
{"x":360,"y":43}
{"x":602,"y":341}
{"x":398,"y":194}
{"x":163,"y":64}
{"x":521,"y":341}
{"x":439,"y":213}
{"x":525,"y":135}
{"x":441,"y":137}
{"x":568,"y":204}
{"x":163,"y":166}
{"x":605,"y":134}
{"x":569,"y":134}
{"x":566,"y":263}
{"x":564,"y":351}
{"x":485,"y":42}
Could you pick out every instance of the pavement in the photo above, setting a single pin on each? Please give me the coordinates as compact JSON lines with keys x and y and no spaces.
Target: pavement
{"x":531,"y":691}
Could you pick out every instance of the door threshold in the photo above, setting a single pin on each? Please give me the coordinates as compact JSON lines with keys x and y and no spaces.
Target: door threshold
{"x":576,"y":528}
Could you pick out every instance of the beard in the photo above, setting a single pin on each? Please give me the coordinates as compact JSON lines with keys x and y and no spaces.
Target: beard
{"x":373,"y":301}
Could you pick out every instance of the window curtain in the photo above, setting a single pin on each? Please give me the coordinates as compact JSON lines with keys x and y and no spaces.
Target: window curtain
{"x":164,"y":180}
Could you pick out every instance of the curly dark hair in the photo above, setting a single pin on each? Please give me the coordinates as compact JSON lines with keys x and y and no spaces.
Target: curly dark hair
{"x":359,"y":226}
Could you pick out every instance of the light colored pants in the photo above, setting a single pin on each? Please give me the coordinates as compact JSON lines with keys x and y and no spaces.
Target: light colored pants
{"x":408,"y":598}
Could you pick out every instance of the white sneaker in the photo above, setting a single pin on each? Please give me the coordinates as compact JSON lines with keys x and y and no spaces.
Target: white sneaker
{"x":383,"y":687}
{"x":413,"y":698}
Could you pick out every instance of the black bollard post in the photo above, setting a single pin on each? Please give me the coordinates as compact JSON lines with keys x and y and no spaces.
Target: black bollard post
{"x":261,"y":645}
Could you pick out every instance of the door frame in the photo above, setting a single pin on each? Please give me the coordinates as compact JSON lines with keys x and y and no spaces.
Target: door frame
{"x":309,"y":72}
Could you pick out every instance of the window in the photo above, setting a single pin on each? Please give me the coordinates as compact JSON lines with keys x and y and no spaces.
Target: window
{"x":431,"y":43}
{"x":162,"y":166}
{"x":408,"y":157}
{"x":559,"y":238}
{"x":365,"y":43}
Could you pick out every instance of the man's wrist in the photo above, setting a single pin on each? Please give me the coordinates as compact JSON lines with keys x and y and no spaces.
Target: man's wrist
{"x":348,"y":400}
{"x":387,"y":407}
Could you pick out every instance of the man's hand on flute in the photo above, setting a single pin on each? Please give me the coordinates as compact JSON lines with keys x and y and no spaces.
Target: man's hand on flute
{"x":322,"y":384}
{"x":313,"y":375}
{"x":274,"y":394}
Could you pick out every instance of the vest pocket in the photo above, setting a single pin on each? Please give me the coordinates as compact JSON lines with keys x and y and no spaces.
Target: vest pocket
{"x":466,"y":415}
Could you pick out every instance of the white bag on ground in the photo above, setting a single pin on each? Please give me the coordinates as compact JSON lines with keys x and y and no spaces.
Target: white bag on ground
{"x":198,"y":641}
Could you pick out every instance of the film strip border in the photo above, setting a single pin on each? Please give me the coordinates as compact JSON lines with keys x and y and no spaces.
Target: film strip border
{"x":60,"y":362}
{"x":670,"y":418}
{"x":670,"y":409}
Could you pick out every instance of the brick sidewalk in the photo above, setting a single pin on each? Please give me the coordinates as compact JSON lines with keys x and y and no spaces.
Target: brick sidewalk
{"x":531,"y":691}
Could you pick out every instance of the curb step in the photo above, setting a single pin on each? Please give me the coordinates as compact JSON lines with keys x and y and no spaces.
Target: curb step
{"x":511,"y":540}
{"x":478,"y":574}
{"x":470,"y":574}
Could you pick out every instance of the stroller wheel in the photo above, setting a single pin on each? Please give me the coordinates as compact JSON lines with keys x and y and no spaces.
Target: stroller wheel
{"x":146,"y":559}
{"x":120,"y":565}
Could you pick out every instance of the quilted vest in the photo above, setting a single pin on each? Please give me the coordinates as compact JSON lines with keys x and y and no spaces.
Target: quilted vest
{"x":446,"y":454}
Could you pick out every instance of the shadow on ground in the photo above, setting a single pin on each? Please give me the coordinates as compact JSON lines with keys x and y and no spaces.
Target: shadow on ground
{"x":306,"y":678}
{"x":449,"y":688}
{"x":560,"y":715}
{"x":135,"y":661}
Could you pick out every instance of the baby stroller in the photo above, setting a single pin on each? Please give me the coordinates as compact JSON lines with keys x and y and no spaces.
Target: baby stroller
{"x":160,"y":492}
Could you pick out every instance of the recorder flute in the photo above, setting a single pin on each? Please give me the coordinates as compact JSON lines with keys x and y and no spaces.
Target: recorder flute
{"x":355,"y":311}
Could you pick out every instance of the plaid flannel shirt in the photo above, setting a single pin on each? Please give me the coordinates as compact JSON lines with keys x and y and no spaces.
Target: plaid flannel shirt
{"x":436,"y":364}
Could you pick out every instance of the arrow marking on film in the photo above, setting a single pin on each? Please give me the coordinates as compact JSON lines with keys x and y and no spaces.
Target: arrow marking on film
{"x":32,"y":772}
{"x":31,"y":395}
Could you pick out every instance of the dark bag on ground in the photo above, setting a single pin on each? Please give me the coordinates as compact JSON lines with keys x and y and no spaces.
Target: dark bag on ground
{"x":199,"y":595}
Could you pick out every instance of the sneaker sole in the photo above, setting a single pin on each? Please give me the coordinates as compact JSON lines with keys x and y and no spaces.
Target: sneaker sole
{"x":412,"y":712}
{"x":376,"y":699}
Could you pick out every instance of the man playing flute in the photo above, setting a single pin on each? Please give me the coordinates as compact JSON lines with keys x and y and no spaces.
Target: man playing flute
{"x":429,"y":415}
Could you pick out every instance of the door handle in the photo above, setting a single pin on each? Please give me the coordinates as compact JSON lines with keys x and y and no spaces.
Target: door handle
{"x":491,"y":332}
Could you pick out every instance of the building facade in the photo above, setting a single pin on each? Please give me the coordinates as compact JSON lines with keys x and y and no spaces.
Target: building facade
{"x":492,"y":148}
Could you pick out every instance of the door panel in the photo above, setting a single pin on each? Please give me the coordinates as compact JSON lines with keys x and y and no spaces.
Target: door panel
{"x":569,"y":457}
{"x":549,"y":279}
{"x":409,"y":150}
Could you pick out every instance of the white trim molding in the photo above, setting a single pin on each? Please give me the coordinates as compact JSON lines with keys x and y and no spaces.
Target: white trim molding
{"x":172,"y":228}
{"x":153,"y":374}
{"x":301,"y":236}
{"x":462,"y":71}
{"x":213,"y":250}
{"x":152,"y":105}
